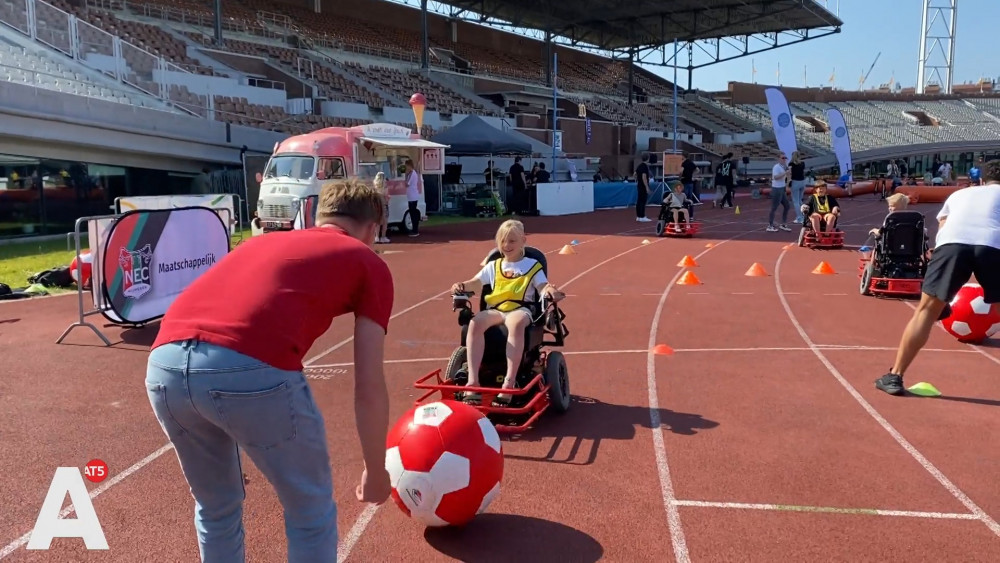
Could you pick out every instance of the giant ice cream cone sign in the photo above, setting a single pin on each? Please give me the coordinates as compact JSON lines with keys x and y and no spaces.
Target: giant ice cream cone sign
{"x":418,"y":102}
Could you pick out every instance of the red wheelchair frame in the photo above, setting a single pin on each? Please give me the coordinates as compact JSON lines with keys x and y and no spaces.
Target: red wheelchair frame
{"x":822,"y":240}
{"x":895,"y":287}
{"x":664,"y":229}
{"x":511,"y":419}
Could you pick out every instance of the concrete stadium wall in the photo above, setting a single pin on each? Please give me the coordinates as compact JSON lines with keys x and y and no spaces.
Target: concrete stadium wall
{"x":121,"y":131}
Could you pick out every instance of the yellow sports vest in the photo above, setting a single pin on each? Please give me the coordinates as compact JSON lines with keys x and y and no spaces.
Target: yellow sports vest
{"x":505,"y":289}
{"x":822,"y":207}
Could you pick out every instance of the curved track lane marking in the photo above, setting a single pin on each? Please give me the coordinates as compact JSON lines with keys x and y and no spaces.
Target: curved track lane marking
{"x":659,"y":448}
{"x":976,"y":511}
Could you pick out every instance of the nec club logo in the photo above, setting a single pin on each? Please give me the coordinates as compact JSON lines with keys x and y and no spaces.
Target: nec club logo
{"x":136,"y":271}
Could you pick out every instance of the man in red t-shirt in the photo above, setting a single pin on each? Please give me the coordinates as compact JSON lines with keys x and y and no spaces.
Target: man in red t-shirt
{"x":225,"y":373}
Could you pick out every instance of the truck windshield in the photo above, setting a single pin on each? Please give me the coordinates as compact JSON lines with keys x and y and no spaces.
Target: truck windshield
{"x":290,"y":166}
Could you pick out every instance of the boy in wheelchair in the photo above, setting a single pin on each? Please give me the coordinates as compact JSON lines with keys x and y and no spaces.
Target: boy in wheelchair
{"x":516,"y":283}
{"x":821,"y":210}
{"x":675,"y":205}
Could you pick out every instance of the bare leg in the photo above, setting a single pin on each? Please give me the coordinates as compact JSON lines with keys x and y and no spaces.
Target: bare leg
{"x":516,"y":323}
{"x":475,"y":343}
{"x":814,"y":218}
{"x":831,"y":222}
{"x":918,"y":330}
{"x":684,"y":213}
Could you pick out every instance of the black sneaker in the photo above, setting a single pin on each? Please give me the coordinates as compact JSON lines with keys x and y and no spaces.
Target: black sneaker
{"x":891,"y":383}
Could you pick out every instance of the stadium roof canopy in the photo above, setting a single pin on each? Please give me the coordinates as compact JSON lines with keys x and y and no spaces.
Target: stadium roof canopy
{"x":637,"y":25}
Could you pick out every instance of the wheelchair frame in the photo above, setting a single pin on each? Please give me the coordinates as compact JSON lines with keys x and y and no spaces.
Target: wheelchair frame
{"x":813,"y":240}
{"x":542,"y":375}
{"x":884,"y":286}
{"x":665,"y":227}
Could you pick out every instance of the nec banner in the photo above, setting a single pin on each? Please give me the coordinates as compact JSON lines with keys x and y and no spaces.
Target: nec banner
{"x":152,"y":255}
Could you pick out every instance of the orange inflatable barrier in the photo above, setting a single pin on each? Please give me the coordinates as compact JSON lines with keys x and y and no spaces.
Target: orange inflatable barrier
{"x":928,"y":194}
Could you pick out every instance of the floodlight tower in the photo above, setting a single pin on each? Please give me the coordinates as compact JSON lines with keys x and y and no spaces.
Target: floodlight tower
{"x":937,"y":44}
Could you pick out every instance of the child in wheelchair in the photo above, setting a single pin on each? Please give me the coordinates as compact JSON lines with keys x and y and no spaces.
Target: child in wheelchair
{"x":676,"y":204}
{"x":516,"y":281}
{"x":821,"y":210}
{"x":897,"y":203}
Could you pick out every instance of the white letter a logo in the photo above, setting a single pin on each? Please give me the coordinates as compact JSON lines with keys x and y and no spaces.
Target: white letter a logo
{"x":49,"y":525}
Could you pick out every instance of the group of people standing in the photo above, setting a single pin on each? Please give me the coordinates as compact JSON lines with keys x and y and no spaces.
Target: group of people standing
{"x":523,"y":182}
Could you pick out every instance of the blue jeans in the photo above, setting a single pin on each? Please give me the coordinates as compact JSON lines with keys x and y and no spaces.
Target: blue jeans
{"x":211,"y":402}
{"x":778,"y":197}
{"x":798,"y":191}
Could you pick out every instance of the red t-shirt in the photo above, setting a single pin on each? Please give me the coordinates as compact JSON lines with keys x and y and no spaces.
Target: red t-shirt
{"x":275,"y":294}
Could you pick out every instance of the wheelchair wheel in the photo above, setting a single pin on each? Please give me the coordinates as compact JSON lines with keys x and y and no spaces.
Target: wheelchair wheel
{"x":455,"y":364}
{"x":660,"y":226}
{"x":557,"y":376}
{"x":866,"y":277}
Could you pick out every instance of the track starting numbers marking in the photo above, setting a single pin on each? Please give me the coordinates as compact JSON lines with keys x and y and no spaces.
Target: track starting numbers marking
{"x":51,"y":522}
{"x":324,"y":373}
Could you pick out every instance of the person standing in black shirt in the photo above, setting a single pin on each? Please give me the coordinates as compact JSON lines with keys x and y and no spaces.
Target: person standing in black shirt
{"x":688,"y":168}
{"x":727,"y":175}
{"x":642,"y":190}
{"x":798,"y":184}
{"x":519,"y":185}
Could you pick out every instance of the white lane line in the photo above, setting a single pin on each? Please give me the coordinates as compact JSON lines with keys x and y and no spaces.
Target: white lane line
{"x":348,"y":542}
{"x":14,"y":545}
{"x":834,"y":347}
{"x":979,"y":513}
{"x":972,"y":347}
{"x":827,"y":509}
{"x":659,"y":447}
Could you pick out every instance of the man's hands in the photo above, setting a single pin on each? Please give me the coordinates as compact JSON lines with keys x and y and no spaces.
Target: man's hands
{"x":374,"y":487}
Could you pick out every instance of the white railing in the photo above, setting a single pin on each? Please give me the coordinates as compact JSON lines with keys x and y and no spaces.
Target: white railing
{"x":101,"y":51}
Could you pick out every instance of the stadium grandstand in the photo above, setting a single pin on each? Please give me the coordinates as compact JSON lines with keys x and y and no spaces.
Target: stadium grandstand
{"x":143,"y":97}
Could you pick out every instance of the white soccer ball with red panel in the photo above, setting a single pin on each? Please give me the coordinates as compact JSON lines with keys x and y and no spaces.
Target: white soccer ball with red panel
{"x":445,"y":463}
{"x":972,"y":319}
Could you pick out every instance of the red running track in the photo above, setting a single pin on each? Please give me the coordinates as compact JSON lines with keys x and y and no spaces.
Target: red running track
{"x":770,"y":440}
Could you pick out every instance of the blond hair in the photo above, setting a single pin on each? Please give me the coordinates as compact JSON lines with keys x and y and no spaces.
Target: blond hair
{"x":379,"y":181}
{"x":899,"y":201}
{"x":507,"y":227}
{"x":350,"y":198}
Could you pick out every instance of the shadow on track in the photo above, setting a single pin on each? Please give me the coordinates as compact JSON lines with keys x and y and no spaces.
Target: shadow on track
{"x":589,"y":421}
{"x":508,"y":537}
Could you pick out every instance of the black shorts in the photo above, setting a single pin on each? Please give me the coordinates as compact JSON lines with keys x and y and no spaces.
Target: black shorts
{"x":952,"y":266}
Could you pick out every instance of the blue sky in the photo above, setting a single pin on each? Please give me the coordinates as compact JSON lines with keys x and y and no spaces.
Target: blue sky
{"x":870,"y":26}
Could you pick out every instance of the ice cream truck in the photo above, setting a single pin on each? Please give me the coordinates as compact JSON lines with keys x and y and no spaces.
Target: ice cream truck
{"x":300,"y":165}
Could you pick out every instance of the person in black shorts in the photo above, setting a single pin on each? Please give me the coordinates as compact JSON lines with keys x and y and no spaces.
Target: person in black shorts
{"x":968,"y":243}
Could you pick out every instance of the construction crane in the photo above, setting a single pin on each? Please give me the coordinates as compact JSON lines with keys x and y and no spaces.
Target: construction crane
{"x":864,"y":77}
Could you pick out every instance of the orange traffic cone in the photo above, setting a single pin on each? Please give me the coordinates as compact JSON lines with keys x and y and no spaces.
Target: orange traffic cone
{"x":710,"y":245}
{"x":687,"y":262}
{"x":824,"y":269}
{"x":756,"y":271}
{"x":568,"y":249}
{"x":663,"y":350}
{"x":787,"y":246}
{"x":689,"y":279}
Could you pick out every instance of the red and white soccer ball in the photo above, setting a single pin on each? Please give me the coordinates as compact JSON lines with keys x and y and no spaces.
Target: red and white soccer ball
{"x":445,"y":463}
{"x":972,"y":320}
{"x":81,"y":272}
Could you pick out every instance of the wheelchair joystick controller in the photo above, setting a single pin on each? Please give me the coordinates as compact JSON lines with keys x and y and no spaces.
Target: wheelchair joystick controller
{"x":460,"y":300}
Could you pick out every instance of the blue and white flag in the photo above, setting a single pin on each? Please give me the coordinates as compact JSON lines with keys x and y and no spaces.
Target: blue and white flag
{"x":840,"y":140}
{"x":784,"y":123}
